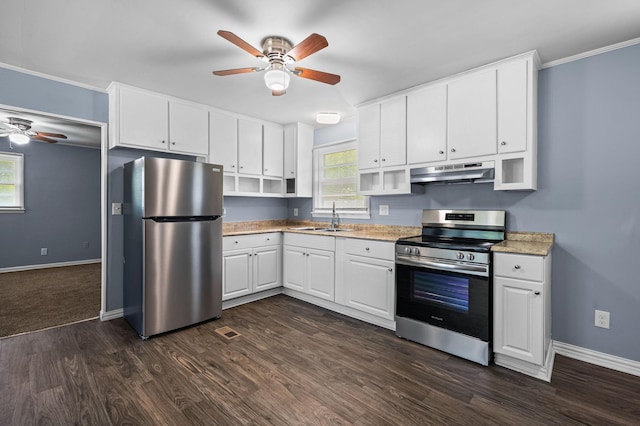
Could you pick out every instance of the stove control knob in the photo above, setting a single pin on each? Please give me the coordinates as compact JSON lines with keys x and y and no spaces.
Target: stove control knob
{"x":416,"y":251}
{"x":460,"y":256}
{"x":407,"y":250}
{"x":470,"y":256}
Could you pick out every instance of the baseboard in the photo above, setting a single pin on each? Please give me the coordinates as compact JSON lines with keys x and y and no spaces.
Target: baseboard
{"x":542,"y":372}
{"x":109,"y":315}
{"x":49,"y":265}
{"x":598,"y":358}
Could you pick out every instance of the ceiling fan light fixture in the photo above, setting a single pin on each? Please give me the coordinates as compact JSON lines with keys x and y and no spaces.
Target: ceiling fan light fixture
{"x":19,"y":138}
{"x":277,"y":79}
{"x":327,"y":118}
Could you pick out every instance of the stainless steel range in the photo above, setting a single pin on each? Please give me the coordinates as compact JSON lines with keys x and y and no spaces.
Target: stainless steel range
{"x":443,"y":282}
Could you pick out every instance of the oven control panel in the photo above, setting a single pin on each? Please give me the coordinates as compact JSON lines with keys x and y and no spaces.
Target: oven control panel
{"x":439,"y":253}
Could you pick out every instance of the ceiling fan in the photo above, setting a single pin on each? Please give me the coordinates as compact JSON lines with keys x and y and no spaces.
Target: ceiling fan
{"x":280,"y":55}
{"x":19,"y":132}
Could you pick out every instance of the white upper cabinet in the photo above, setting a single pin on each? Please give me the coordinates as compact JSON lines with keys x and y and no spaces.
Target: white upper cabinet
{"x":472,"y":115}
{"x":298,"y":153}
{"x":249,"y":147}
{"x":223,"y":140}
{"x":382,"y":136}
{"x":188,"y":128}
{"x":512,"y":107}
{"x":427,"y":125}
{"x":143,"y":119}
{"x":273,"y":154}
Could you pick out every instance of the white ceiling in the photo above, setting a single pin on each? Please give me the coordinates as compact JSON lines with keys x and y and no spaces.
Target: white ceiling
{"x":377,"y":46}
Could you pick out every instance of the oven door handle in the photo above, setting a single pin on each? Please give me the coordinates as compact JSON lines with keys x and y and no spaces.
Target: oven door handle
{"x":455,"y":267}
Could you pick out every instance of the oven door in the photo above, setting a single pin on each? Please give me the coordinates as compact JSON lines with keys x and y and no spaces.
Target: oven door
{"x":444,"y":296}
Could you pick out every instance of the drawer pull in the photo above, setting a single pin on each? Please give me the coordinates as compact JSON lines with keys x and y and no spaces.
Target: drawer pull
{"x":536,"y":293}
{"x":366,"y":248}
{"x":236,"y":242}
{"x":516,"y":267}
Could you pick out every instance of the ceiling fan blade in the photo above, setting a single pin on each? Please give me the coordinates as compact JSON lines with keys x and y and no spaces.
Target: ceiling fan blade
{"x":229,"y":36}
{"x":278,"y":92}
{"x":51,"y":135}
{"x":42,"y":138}
{"x":308,"y":46}
{"x":237,"y":71}
{"x":323,"y":77}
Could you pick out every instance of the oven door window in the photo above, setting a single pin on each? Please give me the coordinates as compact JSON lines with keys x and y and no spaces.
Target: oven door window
{"x":451,"y":300}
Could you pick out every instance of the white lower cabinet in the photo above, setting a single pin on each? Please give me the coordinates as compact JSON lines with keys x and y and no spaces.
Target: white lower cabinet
{"x":366,"y":277}
{"x":309,"y":262}
{"x":251,"y":263}
{"x":522,"y":313}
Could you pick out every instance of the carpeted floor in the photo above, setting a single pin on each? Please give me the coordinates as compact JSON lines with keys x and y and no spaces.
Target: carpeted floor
{"x":42,"y":298}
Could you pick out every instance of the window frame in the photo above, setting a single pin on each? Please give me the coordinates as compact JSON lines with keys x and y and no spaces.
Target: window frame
{"x":343,"y":213}
{"x":18,"y":159}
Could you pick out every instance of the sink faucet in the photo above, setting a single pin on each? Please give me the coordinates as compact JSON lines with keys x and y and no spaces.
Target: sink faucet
{"x":335,"y":220}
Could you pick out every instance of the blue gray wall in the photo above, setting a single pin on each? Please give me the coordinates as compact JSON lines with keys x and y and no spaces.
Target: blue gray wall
{"x":62,"y":206}
{"x":588,"y":196}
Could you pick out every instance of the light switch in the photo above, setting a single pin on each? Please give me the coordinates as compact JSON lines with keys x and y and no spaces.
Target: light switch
{"x":116,"y":209}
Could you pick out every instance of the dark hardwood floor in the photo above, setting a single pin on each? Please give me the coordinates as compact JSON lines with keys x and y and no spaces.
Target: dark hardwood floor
{"x":293,"y":363}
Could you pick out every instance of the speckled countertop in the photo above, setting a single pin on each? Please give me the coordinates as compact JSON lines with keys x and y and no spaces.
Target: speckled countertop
{"x":535,"y":243}
{"x":367,"y":232}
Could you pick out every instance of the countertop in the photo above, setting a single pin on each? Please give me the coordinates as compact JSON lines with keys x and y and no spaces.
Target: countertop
{"x":532,"y":243}
{"x":367,"y":232}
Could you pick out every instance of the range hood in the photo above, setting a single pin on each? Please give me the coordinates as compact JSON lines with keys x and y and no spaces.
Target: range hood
{"x":476,"y":172}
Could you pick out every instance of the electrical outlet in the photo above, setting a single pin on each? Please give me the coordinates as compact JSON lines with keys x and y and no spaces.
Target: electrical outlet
{"x":295,"y":211}
{"x":43,"y":251}
{"x":602,"y":319}
{"x":384,"y":210}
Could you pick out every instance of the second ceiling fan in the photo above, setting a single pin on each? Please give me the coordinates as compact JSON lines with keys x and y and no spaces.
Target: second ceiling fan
{"x":280,"y":54}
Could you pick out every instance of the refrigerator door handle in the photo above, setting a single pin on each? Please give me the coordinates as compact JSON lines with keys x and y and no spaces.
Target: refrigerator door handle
{"x":162,"y":219}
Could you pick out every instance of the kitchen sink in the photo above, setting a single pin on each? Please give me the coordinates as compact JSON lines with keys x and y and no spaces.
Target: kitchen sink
{"x":311,"y":228}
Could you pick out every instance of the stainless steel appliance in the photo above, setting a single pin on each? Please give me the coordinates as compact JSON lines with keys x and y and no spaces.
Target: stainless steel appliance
{"x":172,"y":244}
{"x":443,"y":282}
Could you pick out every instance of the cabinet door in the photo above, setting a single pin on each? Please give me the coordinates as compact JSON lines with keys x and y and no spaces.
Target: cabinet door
{"x":512,"y":107}
{"x":267,"y":268}
{"x":289,"y":152}
{"x":320,"y":273}
{"x":188,"y":128}
{"x":518,"y":319}
{"x":143,"y":119}
{"x":369,"y":137}
{"x":236,"y":273}
{"x":393,"y":132}
{"x":249,"y":147}
{"x":472,"y":115}
{"x":295,"y":267}
{"x":427,"y":125}
{"x":273,"y":151}
{"x":370,"y":285}
{"x":223,"y":138}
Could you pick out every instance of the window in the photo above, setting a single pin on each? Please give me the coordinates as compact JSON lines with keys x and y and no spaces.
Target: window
{"x":11,"y":182}
{"x":335,"y":174}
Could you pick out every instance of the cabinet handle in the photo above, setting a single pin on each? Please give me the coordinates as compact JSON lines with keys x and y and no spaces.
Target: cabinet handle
{"x":503,"y":143}
{"x":390,"y":269}
{"x":233,"y":166}
{"x":375,"y":161}
{"x":242,"y":167}
{"x":384,"y":159}
{"x":307,"y":254}
{"x":366,"y":248}
{"x":250,"y":255}
{"x":536,"y":293}
{"x":266,"y":170}
{"x":173,"y":143}
{"x":453,"y":150}
{"x":516,"y":267}
{"x":440,"y":152}
{"x":291,"y":172}
{"x":268,"y":239}
{"x":236,"y":242}
{"x":163,"y":141}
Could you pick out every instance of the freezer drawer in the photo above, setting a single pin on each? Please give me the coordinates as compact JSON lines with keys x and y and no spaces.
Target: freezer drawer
{"x":182,"y":274}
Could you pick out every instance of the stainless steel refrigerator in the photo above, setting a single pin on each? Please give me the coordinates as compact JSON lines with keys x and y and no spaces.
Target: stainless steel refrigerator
{"x":172,"y":244}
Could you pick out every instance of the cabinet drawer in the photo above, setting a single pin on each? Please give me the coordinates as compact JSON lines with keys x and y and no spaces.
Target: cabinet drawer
{"x":519,"y":266}
{"x":370,"y":248}
{"x":320,"y":242}
{"x":237,"y":242}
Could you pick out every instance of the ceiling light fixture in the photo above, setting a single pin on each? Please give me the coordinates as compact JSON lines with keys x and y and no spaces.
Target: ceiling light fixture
{"x":277,"y":79}
{"x":19,"y":138}
{"x":327,"y":118}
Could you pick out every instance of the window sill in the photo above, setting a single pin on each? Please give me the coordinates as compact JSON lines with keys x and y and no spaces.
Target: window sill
{"x":16,"y":210}
{"x":343,"y":215}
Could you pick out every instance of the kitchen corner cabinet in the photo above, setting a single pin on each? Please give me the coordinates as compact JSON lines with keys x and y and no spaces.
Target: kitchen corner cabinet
{"x":250,"y":264}
{"x":309,"y":264}
{"x":143,"y":119}
{"x":366,"y":276}
{"x":298,"y":160}
{"x":382,"y":148}
{"x":522,"y":313}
